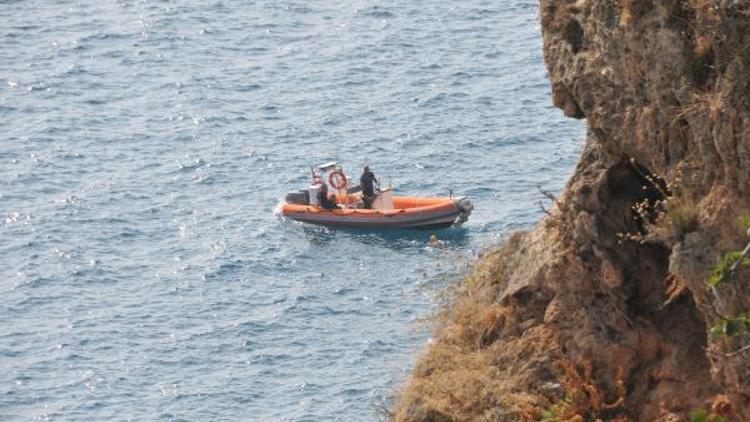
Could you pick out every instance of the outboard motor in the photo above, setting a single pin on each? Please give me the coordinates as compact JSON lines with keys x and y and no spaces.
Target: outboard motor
{"x":465,"y":206}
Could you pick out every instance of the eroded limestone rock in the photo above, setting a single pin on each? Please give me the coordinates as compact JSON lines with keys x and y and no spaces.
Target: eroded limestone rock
{"x":622,"y":322}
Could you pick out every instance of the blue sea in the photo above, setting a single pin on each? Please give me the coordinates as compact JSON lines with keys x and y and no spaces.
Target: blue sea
{"x":144,"y":146}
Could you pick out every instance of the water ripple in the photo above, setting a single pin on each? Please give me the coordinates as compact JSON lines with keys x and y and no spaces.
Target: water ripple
{"x":145,"y":145}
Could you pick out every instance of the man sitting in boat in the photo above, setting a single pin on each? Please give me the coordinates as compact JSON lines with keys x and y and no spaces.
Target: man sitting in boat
{"x":325,"y":199}
{"x":367,"y":183}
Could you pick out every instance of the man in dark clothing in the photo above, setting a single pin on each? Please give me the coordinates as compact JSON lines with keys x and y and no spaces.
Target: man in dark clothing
{"x":367,"y":183}
{"x":325,"y":200}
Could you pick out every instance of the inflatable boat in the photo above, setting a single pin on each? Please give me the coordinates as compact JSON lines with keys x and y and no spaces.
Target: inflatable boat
{"x":387,"y":211}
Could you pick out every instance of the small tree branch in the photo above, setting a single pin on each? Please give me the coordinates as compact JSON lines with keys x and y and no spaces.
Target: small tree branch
{"x":546,"y":193}
{"x":737,"y":352}
{"x":544,"y":210}
{"x":736,"y":265}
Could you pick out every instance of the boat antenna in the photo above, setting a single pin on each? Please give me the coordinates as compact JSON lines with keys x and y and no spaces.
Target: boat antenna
{"x":312,"y":172}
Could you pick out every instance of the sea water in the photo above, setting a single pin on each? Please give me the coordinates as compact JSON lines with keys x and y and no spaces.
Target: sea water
{"x":145,"y":144}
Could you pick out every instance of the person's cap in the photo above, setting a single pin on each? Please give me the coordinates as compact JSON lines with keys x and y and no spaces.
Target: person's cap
{"x":367,"y":167}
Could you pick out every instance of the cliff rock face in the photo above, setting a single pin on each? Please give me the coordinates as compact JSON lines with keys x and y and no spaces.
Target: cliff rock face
{"x":605,"y":310}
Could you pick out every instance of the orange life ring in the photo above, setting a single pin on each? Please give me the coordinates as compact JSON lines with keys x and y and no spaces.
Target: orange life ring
{"x":337,"y":179}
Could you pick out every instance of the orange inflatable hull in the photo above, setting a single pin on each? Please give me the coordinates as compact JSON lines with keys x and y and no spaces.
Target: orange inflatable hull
{"x":407,"y":213}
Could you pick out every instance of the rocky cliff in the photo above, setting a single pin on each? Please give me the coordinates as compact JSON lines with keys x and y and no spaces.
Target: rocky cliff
{"x":629,"y":302}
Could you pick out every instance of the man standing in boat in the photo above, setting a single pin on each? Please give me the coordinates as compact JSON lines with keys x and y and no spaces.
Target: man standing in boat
{"x":367,"y":183}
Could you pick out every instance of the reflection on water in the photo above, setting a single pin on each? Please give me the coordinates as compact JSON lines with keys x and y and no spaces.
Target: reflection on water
{"x":395,"y":239}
